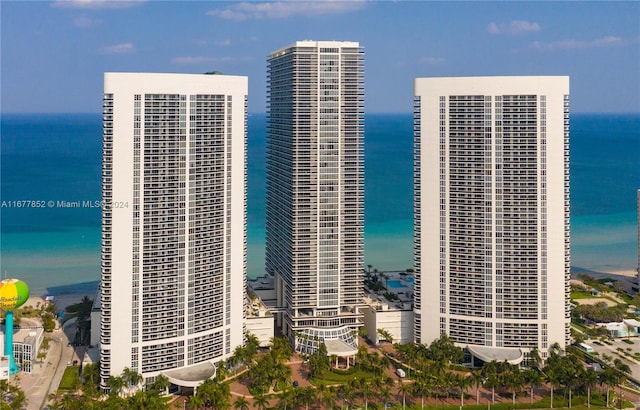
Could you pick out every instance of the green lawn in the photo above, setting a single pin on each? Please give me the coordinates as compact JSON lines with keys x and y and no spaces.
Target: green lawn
{"x":70,"y":378}
{"x":330,"y":377}
{"x":587,"y":295}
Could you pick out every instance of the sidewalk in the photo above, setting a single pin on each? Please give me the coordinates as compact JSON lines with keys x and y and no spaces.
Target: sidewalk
{"x":45,"y":377}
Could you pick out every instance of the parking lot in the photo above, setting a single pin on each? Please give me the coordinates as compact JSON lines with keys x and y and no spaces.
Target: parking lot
{"x":613,"y":351}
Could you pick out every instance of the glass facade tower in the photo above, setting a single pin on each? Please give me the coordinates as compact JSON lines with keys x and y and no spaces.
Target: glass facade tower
{"x":315,"y":189}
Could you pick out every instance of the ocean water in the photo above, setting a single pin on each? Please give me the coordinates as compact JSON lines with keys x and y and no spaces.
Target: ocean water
{"x":55,"y":158}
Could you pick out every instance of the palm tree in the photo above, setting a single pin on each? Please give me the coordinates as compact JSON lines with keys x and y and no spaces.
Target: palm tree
{"x":286,"y":399}
{"x":366,"y":391}
{"x":328,"y":398}
{"x":477,"y":379}
{"x":161,"y":383}
{"x":195,"y":402}
{"x":421,"y":387}
{"x":91,"y":373}
{"x":490,"y":377}
{"x":513,"y":379}
{"x":533,"y":378}
{"x":534,"y":359}
{"x":385,"y":394}
{"x":116,"y":384}
{"x":260,"y":401}
{"x":385,"y":334}
{"x":553,"y":379}
{"x":241,"y":403}
{"x":404,"y":389}
{"x":589,"y":379}
{"x":608,"y":378}
{"x":307,"y":396}
{"x":463,"y":382}
{"x":409,"y":353}
{"x":222,"y":371}
{"x":131,"y":379}
{"x":571,"y":368}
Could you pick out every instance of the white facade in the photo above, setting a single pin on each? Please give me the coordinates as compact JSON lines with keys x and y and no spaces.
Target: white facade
{"x":262,"y":327}
{"x":398,"y":322}
{"x":173,"y":223}
{"x":315,"y":189}
{"x":492,"y":211}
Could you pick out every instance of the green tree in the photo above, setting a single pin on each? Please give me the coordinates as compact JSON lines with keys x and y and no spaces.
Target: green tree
{"x":241,"y":403}
{"x":608,"y":378}
{"x":366,"y":392}
{"x":11,"y":396}
{"x":328,"y":397}
{"x":422,"y":387}
{"x":513,"y":379}
{"x":477,"y":380}
{"x":319,"y":362}
{"x":48,"y":321}
{"x":260,"y":401}
{"x":286,"y":399}
{"x":490,"y":377}
{"x":115,"y":384}
{"x":533,"y":378}
{"x":195,"y":402}
{"x":307,"y":396}
{"x":385,"y":335}
{"x":404,"y":389}
{"x":589,"y":379}
{"x":160,"y":384}
{"x":131,"y":379}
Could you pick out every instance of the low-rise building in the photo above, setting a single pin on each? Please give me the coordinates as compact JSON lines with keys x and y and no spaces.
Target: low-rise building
{"x":259,"y":321}
{"x":26,"y":344}
{"x":389,"y":309}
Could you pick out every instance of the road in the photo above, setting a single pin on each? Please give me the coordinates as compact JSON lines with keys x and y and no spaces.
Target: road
{"x":49,"y":375}
{"x":612,"y":350}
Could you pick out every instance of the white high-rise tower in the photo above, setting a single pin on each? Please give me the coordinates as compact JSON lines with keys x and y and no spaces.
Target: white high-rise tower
{"x":315,"y":190}
{"x":173,"y":223}
{"x":492,"y":213}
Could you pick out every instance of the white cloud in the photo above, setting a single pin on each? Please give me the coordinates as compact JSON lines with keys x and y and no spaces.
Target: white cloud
{"x":608,"y":41}
{"x":432,"y":60}
{"x":123,"y":48}
{"x":285,"y":9}
{"x":571,"y":44}
{"x":225,"y":42}
{"x":514,"y":27}
{"x":96,"y":4}
{"x":85,"y":21}
{"x":202,"y":59}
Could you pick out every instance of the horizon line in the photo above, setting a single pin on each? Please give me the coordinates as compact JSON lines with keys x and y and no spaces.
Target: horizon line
{"x":264,"y":113}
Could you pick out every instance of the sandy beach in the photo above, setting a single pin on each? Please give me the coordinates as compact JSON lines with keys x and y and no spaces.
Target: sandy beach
{"x":61,"y":301}
{"x":624,"y":275}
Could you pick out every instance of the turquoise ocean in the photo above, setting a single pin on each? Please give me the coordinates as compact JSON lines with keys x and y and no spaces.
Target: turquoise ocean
{"x":58,"y":158}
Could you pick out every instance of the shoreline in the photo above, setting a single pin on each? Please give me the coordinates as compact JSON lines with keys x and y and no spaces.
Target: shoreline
{"x":73,"y":293}
{"x":61,"y":302}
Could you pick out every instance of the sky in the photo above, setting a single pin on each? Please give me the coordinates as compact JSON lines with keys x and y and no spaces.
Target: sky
{"x":53,"y":54}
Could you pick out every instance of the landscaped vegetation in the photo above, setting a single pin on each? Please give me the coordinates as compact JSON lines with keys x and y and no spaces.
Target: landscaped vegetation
{"x":11,"y":396}
{"x":42,"y":311}
{"x":432,"y":376}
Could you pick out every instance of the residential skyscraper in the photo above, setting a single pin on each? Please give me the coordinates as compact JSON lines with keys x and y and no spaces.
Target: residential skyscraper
{"x":173,"y":223}
{"x":491,"y":203}
{"x":315,"y":189}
